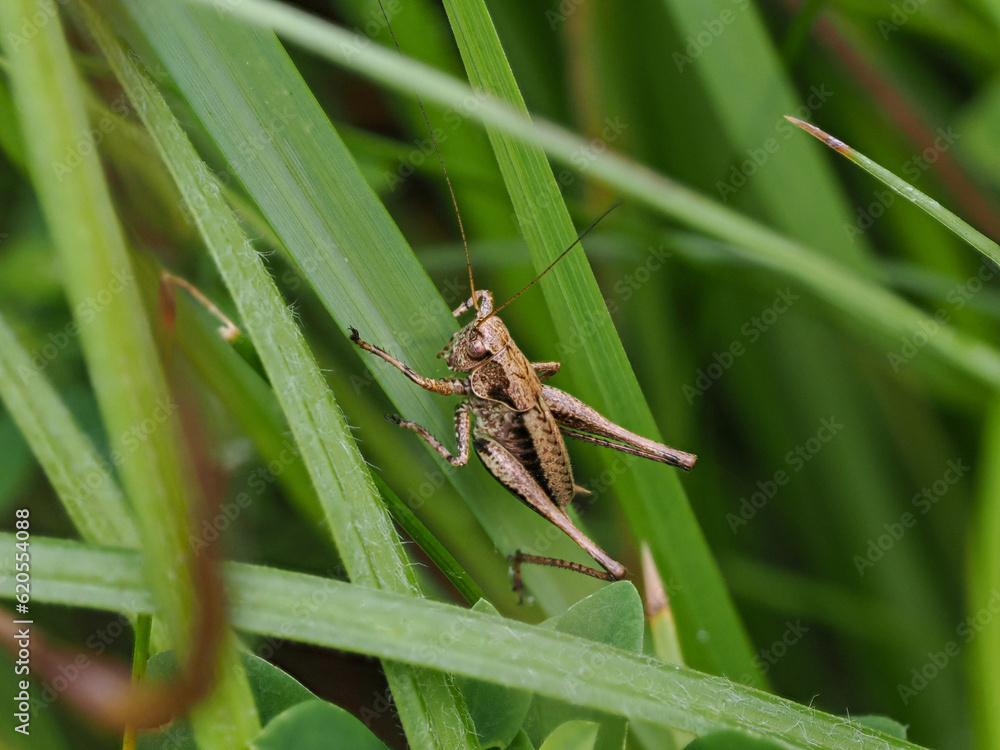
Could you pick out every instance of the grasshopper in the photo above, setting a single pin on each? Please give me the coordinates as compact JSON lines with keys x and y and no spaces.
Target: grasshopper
{"x":519,"y":425}
{"x":519,"y":420}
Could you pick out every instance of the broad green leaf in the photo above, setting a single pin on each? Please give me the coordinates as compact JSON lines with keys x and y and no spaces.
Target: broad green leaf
{"x":274,"y":692}
{"x":317,"y":725}
{"x":573,"y":735}
{"x":613,"y":616}
{"x":732,"y":741}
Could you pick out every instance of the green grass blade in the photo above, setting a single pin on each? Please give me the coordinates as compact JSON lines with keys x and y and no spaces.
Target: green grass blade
{"x":117,"y":338}
{"x":750,"y":99}
{"x":478,"y":645}
{"x":961,"y":228}
{"x":419,"y":533}
{"x":368,"y":545}
{"x":80,"y":477}
{"x":652,"y":497}
{"x":249,"y":399}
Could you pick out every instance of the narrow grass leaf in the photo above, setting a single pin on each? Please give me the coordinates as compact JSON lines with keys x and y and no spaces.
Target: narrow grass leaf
{"x":479,"y":645}
{"x":963,"y":229}
{"x":80,"y":477}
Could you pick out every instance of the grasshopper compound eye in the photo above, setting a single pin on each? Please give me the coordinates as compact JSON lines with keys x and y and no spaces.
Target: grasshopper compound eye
{"x":477,"y":349}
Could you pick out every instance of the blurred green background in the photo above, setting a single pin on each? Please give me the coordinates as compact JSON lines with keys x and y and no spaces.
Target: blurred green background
{"x":842,"y":482}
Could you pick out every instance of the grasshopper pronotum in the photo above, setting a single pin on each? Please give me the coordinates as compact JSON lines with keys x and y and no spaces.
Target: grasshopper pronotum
{"x":520,"y":421}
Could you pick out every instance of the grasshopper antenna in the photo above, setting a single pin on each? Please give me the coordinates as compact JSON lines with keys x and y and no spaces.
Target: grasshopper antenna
{"x":444,"y":169}
{"x":562,"y":255}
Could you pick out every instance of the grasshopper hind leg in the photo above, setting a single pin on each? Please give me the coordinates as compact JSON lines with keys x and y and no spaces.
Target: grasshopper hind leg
{"x":519,"y":558}
{"x":516,"y":478}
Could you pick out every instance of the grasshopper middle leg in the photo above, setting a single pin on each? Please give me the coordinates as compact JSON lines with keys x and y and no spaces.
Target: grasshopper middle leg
{"x":461,"y":434}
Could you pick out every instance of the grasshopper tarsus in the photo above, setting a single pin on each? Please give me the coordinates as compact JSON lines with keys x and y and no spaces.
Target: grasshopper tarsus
{"x":519,"y":558}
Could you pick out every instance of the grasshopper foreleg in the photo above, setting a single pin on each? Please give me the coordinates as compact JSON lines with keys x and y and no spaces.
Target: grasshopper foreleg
{"x":461,"y":434}
{"x":444,"y":386}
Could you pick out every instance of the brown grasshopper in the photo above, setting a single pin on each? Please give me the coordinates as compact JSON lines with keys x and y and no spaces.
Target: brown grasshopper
{"x":519,"y":427}
{"x":520,"y":422}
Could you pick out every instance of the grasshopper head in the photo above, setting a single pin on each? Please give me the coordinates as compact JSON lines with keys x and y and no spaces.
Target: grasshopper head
{"x":476,"y":343}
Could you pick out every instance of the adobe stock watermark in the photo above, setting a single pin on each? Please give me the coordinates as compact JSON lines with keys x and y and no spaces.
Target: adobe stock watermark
{"x":258,"y":481}
{"x":751,"y":333}
{"x":913,"y":169}
{"x":85,"y":484}
{"x":795,"y":461}
{"x":84,"y":313}
{"x":564,"y":10}
{"x":582,"y":157}
{"x":88,"y":142}
{"x":957,"y":297}
{"x":97,"y":643}
{"x":901,"y":13}
{"x":741,"y":172}
{"x":197,"y":206}
{"x":878,"y":547}
{"x":624,"y":289}
{"x":33,"y":24}
{"x":712,"y":29}
{"x":766,"y":658}
{"x":937,"y":661}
